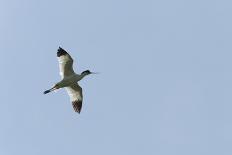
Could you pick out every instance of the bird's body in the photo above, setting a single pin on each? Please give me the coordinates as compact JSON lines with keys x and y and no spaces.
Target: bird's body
{"x":69,"y":79}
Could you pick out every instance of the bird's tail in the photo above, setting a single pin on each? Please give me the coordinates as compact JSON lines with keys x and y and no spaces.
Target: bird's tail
{"x":47,"y":91}
{"x":52,"y":89}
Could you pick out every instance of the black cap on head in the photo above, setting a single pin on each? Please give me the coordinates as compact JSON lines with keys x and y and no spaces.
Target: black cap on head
{"x":87,"y":71}
{"x":61,"y":52}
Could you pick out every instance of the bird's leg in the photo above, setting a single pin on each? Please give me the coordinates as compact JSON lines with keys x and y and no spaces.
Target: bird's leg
{"x":52,"y":89}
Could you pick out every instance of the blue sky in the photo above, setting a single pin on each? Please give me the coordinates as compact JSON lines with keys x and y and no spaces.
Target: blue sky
{"x":165,"y":82}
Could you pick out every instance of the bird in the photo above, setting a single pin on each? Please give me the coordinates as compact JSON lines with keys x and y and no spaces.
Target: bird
{"x":69,"y":79}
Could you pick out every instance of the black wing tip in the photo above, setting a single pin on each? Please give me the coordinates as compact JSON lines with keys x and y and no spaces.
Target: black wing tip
{"x":61,"y":52}
{"x":77,"y":106}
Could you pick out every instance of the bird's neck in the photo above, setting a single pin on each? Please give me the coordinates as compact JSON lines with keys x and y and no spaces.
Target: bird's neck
{"x":83,"y":75}
{"x":78,"y":77}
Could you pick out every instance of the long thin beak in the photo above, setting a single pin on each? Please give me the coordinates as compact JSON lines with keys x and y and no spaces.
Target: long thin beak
{"x":95,"y":73}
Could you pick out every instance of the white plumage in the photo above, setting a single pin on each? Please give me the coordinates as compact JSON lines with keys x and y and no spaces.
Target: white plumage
{"x":65,"y":65}
{"x":69,"y":79}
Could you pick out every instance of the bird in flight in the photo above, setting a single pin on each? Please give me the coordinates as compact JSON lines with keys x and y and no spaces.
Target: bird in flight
{"x":69,"y":79}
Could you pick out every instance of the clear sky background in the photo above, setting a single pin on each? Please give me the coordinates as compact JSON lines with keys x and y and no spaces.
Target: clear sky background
{"x":164,"y":88}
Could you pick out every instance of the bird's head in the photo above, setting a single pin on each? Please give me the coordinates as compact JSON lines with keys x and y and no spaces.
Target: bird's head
{"x":87,"y":72}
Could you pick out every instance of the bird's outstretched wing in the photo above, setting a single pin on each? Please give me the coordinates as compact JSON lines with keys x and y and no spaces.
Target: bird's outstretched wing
{"x":65,"y":63}
{"x":75,"y":94}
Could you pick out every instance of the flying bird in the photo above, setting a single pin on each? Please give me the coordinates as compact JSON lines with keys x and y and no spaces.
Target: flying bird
{"x":69,"y":79}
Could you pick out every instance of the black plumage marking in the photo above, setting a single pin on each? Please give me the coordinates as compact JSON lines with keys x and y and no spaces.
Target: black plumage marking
{"x":77,"y":105}
{"x":61,"y":52}
{"x":47,"y":91}
{"x":87,"y":71}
